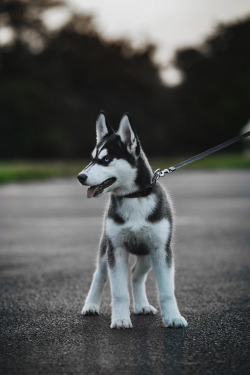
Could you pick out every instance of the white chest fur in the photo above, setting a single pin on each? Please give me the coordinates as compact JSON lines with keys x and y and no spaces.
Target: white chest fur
{"x":136,"y":229}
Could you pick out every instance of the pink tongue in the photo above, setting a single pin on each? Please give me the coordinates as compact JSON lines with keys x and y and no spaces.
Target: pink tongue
{"x":91,"y":191}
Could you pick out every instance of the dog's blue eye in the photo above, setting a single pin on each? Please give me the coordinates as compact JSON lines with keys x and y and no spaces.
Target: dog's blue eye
{"x":106,"y":159}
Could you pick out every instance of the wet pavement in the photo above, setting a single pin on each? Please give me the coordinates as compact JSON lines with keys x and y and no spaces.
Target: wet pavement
{"x":49,"y":235}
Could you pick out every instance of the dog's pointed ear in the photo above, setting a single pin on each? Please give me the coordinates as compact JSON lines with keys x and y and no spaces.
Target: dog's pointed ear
{"x":129,"y":136}
{"x":102,"y":127}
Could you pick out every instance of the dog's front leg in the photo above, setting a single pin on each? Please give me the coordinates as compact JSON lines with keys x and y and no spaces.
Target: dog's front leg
{"x":92,"y":303}
{"x":118,"y":273}
{"x":164,"y":273}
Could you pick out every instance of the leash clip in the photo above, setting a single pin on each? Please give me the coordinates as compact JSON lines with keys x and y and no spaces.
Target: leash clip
{"x":157,"y":174}
{"x":169,"y":170}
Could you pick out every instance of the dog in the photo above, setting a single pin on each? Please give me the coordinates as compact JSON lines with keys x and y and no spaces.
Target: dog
{"x":137,"y":221}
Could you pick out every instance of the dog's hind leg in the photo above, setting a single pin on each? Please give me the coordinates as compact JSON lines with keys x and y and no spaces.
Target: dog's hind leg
{"x":164,"y":273}
{"x":92,"y":303}
{"x":139,"y":275}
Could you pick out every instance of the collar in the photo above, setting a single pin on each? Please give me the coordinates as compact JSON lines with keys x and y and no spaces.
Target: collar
{"x":144,"y":193}
{"x":140,"y":193}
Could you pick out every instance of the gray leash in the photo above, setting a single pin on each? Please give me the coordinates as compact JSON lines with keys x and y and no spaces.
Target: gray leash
{"x":160,"y":173}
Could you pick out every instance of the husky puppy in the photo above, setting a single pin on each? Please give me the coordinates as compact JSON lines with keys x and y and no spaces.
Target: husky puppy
{"x":138,"y":221}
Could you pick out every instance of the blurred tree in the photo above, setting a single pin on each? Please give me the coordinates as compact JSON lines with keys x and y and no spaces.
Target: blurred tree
{"x":53,"y":84}
{"x":55,"y":81}
{"x":215,"y":93}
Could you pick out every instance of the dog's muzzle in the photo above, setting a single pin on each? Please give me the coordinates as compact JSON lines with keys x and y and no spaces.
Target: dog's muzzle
{"x":96,"y":190}
{"x":82,"y":178}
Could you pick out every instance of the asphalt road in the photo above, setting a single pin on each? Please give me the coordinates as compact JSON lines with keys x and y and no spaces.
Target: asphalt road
{"x":49,"y":234}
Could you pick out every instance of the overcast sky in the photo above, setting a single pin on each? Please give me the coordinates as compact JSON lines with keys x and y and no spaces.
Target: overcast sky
{"x":170,"y":24}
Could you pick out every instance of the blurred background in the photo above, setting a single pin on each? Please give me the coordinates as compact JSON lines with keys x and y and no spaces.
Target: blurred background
{"x":180,"y":68}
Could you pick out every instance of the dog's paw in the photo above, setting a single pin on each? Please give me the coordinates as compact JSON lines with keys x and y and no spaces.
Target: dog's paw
{"x":90,"y":309}
{"x":175,"y":321}
{"x":145,"y":310}
{"x":121,"y":324}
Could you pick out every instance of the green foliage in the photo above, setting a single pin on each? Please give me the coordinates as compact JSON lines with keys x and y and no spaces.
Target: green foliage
{"x":19,"y":171}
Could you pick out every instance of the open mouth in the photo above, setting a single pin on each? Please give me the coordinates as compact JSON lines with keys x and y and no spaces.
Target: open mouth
{"x":94,"y":191}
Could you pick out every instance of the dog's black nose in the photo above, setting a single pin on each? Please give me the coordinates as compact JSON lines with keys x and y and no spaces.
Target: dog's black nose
{"x":82,"y":178}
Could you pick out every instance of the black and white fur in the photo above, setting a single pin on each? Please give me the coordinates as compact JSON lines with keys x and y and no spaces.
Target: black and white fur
{"x":141,"y":226}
